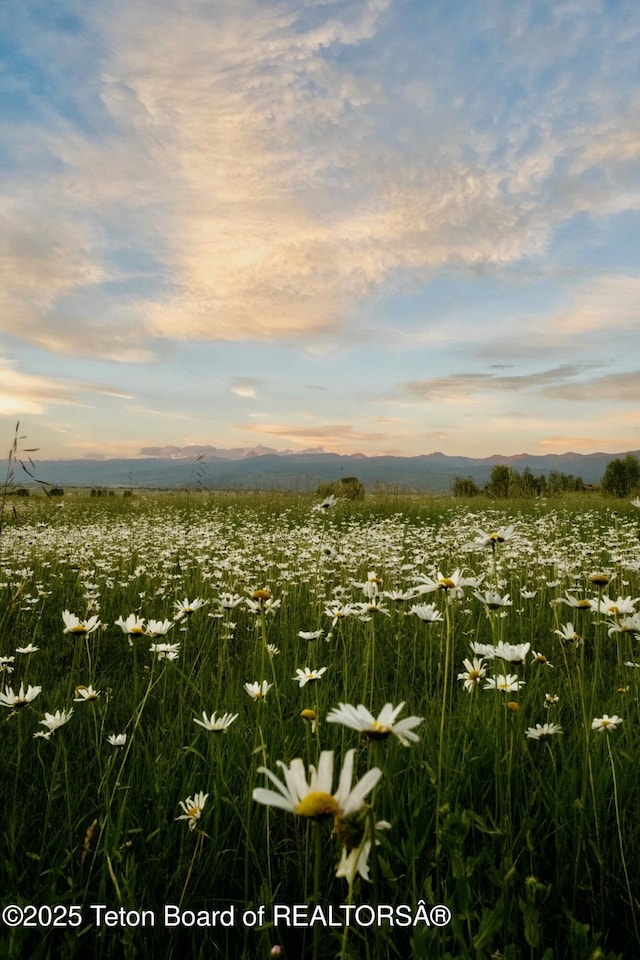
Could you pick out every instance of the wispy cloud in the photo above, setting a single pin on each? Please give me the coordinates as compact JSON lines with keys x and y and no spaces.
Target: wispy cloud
{"x":23,"y":394}
{"x":272,"y":184}
{"x":464,"y":385}
{"x":244,"y":386}
{"x":327,"y":433}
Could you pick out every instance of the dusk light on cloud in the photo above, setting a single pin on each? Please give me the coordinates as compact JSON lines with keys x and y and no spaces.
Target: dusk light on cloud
{"x":377,"y":226}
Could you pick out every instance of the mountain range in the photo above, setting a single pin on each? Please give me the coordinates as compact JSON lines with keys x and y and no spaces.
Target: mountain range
{"x":248,"y":469}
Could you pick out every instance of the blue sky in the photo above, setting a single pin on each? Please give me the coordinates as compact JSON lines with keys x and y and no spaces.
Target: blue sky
{"x":378,"y":226}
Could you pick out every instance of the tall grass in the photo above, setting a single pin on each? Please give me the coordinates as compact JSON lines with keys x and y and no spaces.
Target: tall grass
{"x":532,"y":844}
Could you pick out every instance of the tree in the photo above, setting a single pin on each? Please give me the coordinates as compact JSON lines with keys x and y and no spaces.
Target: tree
{"x":465,"y":487}
{"x":347,"y":488}
{"x":621,"y":476}
{"x":500,"y":481}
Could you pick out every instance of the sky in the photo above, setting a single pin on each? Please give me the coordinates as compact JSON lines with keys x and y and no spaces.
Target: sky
{"x":365,"y":226}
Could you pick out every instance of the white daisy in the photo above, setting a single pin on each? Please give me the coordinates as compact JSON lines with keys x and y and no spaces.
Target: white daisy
{"x":73,"y":624}
{"x":216,"y":724}
{"x":185,"y":608}
{"x":20,"y":699}
{"x":193,"y":807}
{"x":606,"y":723}
{"x":257,"y":690}
{"x":359,"y":718}
{"x":117,"y":739}
{"x":85,"y":693}
{"x":473,"y":673}
{"x":308,"y":675}
{"x":542,"y":731}
{"x":313,"y":797}
{"x":508,"y":683}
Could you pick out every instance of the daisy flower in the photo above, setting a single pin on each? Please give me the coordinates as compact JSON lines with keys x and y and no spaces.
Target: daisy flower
{"x":310,"y":716}
{"x":264,"y":602}
{"x":312,"y":796}
{"x":20,"y":699}
{"x":492,"y":539}
{"x":53,"y":722}
{"x":486,"y":650}
{"x":308,"y":675}
{"x":326,"y":504}
{"x":606,"y":723}
{"x":216,"y":724}
{"x":133,"y":626}
{"x":229,"y":601}
{"x":28,"y":649}
{"x":508,"y":683}
{"x":359,"y":718}
{"x":193,"y":807}
{"x":338,"y":612}
{"x":185,"y":608}
{"x":566,"y":632}
{"x":542,"y":731}
{"x":165,"y":651}
{"x":85,"y":693}
{"x":310,"y":634}
{"x":578,"y":603}
{"x":453,"y":584}
{"x":600,"y":579}
{"x":623,"y":606}
{"x":73,"y":624}
{"x":493,"y":601}
{"x":117,"y":739}
{"x":427,"y":612}
{"x":537,"y":657}
{"x":473,"y":673}
{"x":512,"y":652}
{"x":158,"y":628}
{"x":356,"y":846}
{"x":629,"y":624}
{"x":257,"y":690}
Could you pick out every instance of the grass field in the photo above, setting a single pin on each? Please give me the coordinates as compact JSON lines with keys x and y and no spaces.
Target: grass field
{"x":517,"y":807}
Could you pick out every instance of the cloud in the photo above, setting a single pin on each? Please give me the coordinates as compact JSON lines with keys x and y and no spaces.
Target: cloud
{"x":24,"y":394}
{"x":604,"y":303}
{"x":614,"y":387}
{"x":244,"y":386}
{"x":255,"y":171}
{"x":465,"y":385}
{"x":330,"y":433}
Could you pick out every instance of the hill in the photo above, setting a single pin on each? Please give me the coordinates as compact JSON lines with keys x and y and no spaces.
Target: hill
{"x":433,"y":472}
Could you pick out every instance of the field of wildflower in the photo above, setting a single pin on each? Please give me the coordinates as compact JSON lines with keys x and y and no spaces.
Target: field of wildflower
{"x":244,"y":726}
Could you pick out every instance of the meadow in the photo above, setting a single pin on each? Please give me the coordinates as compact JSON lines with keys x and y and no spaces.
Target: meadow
{"x":307,"y":728}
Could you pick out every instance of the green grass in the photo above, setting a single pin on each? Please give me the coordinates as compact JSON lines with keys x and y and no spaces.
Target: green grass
{"x":533,"y":845}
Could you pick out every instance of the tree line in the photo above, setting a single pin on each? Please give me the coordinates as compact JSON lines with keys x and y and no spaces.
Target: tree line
{"x":621,"y":479}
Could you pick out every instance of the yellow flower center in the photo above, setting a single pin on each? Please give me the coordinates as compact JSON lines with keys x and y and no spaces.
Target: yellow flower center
{"x":261,"y":595}
{"x":446,"y":583}
{"x":318,"y":804}
{"x":377,"y":731}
